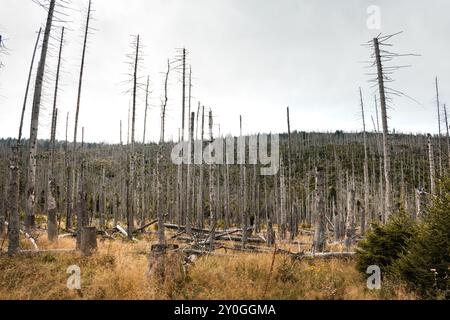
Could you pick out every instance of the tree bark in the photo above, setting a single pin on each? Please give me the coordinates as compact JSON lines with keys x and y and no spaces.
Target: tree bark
{"x":13,"y":204}
{"x":386,"y":144}
{"x":319,"y":241}
{"x":33,"y":143}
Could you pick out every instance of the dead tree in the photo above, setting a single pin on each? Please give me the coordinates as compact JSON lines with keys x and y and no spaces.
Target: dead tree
{"x":181,"y":58}
{"x":283,"y":214}
{"x":13,"y":204}
{"x":82,"y":214}
{"x":319,"y":241}
{"x":68,"y":178}
{"x":28,"y":87}
{"x":242,"y":184}
{"x":52,"y":230}
{"x":365,"y":212}
{"x":212,"y":193}
{"x":159,"y":158}
{"x":292,"y":216}
{"x":77,"y":113}
{"x":350,"y":227}
{"x":102,"y":205}
{"x":200,"y":204}
{"x":131,"y":180}
{"x":447,"y":134}
{"x":146,"y":108}
{"x":31,"y":175}
{"x":13,"y":190}
{"x":190,"y":151}
{"x":439,"y":127}
{"x":431,"y":166}
{"x":386,"y":145}
{"x":164,"y":103}
{"x":421,"y":204}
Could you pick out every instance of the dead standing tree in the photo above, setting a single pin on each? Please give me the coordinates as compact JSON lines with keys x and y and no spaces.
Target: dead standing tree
{"x":365,"y":212}
{"x":382,"y":76}
{"x":52,"y":230}
{"x":180,"y":65}
{"x":80,"y":210}
{"x":431,"y":166}
{"x":319,"y":241}
{"x":156,"y":257}
{"x":135,"y":61}
{"x":447,"y":136}
{"x":439,"y":146}
{"x":13,"y":191}
{"x":31,"y":175}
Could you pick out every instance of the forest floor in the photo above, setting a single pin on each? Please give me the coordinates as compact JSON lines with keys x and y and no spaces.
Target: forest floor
{"x":118,"y":270}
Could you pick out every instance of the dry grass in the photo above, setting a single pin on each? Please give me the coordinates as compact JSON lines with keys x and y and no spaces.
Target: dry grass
{"x":118,"y":270}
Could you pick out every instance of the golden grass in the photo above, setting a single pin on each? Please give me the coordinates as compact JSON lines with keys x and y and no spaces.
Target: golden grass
{"x":119,"y":270}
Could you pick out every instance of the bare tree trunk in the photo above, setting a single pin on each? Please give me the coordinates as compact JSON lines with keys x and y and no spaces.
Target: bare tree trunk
{"x":28,"y":85}
{"x":200,"y":206}
{"x":432,"y":166}
{"x":68,"y":180}
{"x":77,"y":113}
{"x":82,"y":215}
{"x":282,"y":203}
{"x":132,"y":156}
{"x":365,"y":212}
{"x":164,"y":105}
{"x":159,"y":158}
{"x":386,"y":145}
{"x":190,"y":211}
{"x":13,"y":203}
{"x":14,"y":189}
{"x":439,"y":128}
{"x":242,"y":184}
{"x":88,"y":241}
{"x":52,"y":230}
{"x":421,"y":204}
{"x":102,"y":202}
{"x":292,"y":219}
{"x":181,"y":196}
{"x":447,"y":135}
{"x":319,"y":242}
{"x":146,"y":108}
{"x":31,"y":181}
{"x":212,"y":193}
{"x":350,"y":222}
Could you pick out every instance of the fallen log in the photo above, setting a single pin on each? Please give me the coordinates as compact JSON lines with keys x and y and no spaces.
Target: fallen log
{"x":31,"y":239}
{"x":67,"y":235}
{"x":240,"y":249}
{"x":28,"y":236}
{"x":141,"y":229}
{"x":123,"y":232}
{"x":322,"y":255}
{"x":239,"y":239}
{"x":181,"y":228}
{"x":46,"y":251}
{"x":205,"y":252}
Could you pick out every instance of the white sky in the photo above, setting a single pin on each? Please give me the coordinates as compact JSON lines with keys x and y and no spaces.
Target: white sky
{"x":248,"y":57}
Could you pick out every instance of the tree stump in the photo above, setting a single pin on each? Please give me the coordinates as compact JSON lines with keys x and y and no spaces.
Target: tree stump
{"x":270,"y":234}
{"x":88,"y":240}
{"x":156,"y":260}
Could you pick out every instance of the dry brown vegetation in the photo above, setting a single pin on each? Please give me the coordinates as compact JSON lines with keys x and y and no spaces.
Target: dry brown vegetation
{"x":118,"y":270}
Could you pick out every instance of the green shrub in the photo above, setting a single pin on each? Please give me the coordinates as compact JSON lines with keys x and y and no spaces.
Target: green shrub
{"x":426,"y":265}
{"x":385,"y":243}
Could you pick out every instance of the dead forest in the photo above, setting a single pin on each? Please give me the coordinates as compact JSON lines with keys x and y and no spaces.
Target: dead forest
{"x":329,"y":189}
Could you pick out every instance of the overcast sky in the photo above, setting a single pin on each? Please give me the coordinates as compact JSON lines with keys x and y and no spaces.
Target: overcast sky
{"x":249,"y":57}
